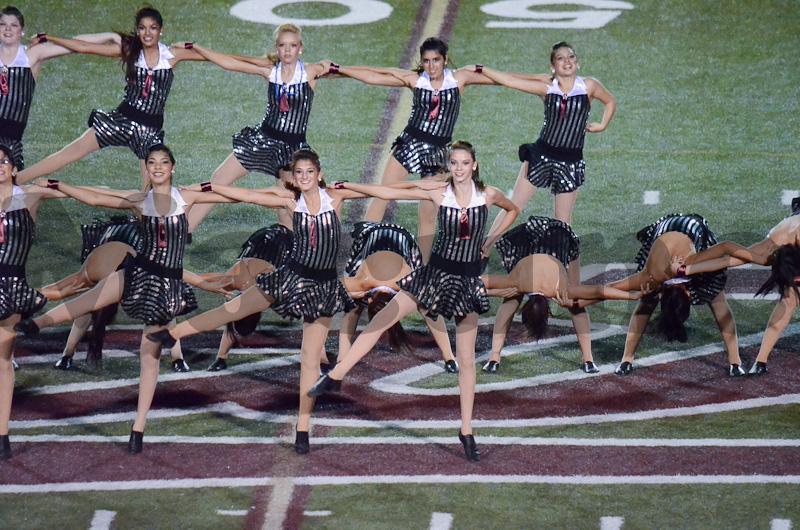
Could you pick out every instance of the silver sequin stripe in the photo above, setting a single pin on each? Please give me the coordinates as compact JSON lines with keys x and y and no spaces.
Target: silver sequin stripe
{"x":369,"y":238}
{"x":156,"y":100}
{"x":18,"y":230}
{"x":328,"y":229}
{"x":17,"y":104}
{"x":170,"y":256}
{"x":449,"y":106}
{"x":296,"y":120}
{"x":272,"y":244}
{"x":566,"y":133}
{"x":448,"y":244}
{"x":539,"y":235}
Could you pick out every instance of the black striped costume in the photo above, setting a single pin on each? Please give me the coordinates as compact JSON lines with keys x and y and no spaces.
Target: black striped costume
{"x":539,"y":235}
{"x":703,"y":287}
{"x":122,"y":229}
{"x":307,"y":285}
{"x":268,"y":147}
{"x":422,"y":146}
{"x":272,"y":244}
{"x":16,"y":104}
{"x":16,"y":297}
{"x":155,"y":292}
{"x":138,"y":122}
{"x":450,"y":284}
{"x":555,"y":161}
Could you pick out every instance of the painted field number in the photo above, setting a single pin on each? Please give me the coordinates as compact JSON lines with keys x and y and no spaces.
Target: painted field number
{"x":603,"y":12}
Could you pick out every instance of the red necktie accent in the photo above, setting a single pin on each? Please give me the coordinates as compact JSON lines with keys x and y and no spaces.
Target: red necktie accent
{"x":162,"y":233}
{"x":147,"y":82}
{"x":564,"y":107}
{"x":312,"y":233}
{"x":284,"y":103}
{"x":463,"y":225}
{"x":435,"y":101}
{"x":2,"y":226}
{"x":4,"y":81}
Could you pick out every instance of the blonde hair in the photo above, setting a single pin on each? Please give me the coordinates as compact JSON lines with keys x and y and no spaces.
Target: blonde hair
{"x":280,"y":30}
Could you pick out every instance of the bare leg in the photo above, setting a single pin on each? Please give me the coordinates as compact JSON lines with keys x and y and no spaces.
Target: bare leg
{"x":106,"y":292}
{"x":73,"y":152}
{"x":522,"y":193}
{"x":403,"y":304}
{"x":639,"y":319}
{"x":145,"y":178}
{"x":580,"y":318}
{"x":727,"y":326}
{"x":466,"y":335}
{"x":249,"y":302}
{"x":314,"y":335}
{"x":225,"y":344}
{"x":502,"y":323}
{"x":76,"y":333}
{"x":7,"y":338}
{"x":427,"y":222}
{"x":564,"y":203}
{"x":392,"y":173}
{"x":228,"y":172}
{"x":149,"y":353}
{"x":780,"y":318}
{"x":347,"y":330}
{"x":438,"y":331}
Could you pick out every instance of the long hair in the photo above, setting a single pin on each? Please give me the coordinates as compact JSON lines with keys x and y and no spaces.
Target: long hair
{"x":272,"y":55}
{"x":675,"y":308}
{"x":398,"y":338}
{"x":310,"y":156}
{"x":432,"y":44}
{"x":158,"y":148}
{"x":131,"y":46}
{"x":535,"y":314}
{"x":461,"y":145}
{"x":785,"y":271}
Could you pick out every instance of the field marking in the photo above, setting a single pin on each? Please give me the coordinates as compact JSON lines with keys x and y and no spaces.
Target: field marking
{"x":245,"y":482}
{"x":651,"y":197}
{"x":611,"y":523}
{"x":441,"y":521}
{"x":279,"y":500}
{"x":102,"y":519}
{"x":317,"y":513}
{"x":235,"y":513}
{"x":780,"y":524}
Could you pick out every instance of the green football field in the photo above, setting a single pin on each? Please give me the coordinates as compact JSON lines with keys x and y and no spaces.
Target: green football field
{"x":707,"y":113}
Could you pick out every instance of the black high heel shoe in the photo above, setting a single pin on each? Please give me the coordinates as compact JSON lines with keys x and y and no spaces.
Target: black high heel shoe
{"x":590,"y":368}
{"x":218,"y":365}
{"x":470,"y":447}
{"x":64,"y":363}
{"x":162,"y":337}
{"x":26,"y":326}
{"x":624,"y":368}
{"x":491,"y":367}
{"x":451,"y":366}
{"x":324,"y":385}
{"x":301,"y":445}
{"x":758,"y":368}
{"x":180,"y":365}
{"x":5,"y":447}
{"x":135,"y":442}
{"x":735,"y":370}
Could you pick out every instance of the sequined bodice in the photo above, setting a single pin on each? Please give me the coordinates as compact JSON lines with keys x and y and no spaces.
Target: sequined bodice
{"x":153,"y":98}
{"x":316,"y":239}
{"x":449,"y":241}
{"x":18,"y":228}
{"x":299,"y":98}
{"x":173,"y":234}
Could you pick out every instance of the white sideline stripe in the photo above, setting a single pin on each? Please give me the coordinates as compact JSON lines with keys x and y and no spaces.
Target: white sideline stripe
{"x":317,"y":513}
{"x":651,"y":197}
{"x":780,"y":524}
{"x":245,"y":482}
{"x":751,"y":296}
{"x":441,"y":521}
{"x":429,"y":440}
{"x":236,"y":513}
{"x":238,"y":411}
{"x":102,"y":519}
{"x":611,"y":523}
{"x":788,"y":195}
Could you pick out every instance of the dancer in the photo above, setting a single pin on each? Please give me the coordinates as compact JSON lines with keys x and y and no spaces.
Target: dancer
{"x":381,"y":255}
{"x":781,"y":250}
{"x":448,"y":285}
{"x":422,"y":146}
{"x":268,"y":147}
{"x":672,"y":237}
{"x":138,"y":121}
{"x":150,"y":286}
{"x":18,"y":208}
{"x":537,"y":256}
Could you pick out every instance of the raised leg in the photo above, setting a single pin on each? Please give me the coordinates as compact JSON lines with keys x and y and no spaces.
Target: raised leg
{"x":394,"y":172}
{"x":106,"y":292}
{"x":249,"y":302}
{"x":227,"y":173}
{"x":73,"y":152}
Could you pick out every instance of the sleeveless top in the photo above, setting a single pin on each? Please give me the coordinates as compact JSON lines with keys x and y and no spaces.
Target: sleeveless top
{"x":427,"y":122}
{"x":17,"y":229}
{"x":290,"y":124}
{"x":144,"y":99}
{"x":316,"y":239}
{"x":163,"y":238}
{"x":460,"y":234}
{"x":565,"y":117}
{"x":15,"y":103}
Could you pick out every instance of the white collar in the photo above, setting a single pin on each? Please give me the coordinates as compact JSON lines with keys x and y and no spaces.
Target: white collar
{"x":298,"y":77}
{"x":176,"y":208}
{"x":164,"y":55}
{"x":477,"y":199}
{"x":578,"y":88}
{"x":676,"y":281}
{"x":424,"y":81}
{"x":17,"y":200}
{"x":325,"y":203}
{"x":382,"y":289}
{"x":21,"y":60}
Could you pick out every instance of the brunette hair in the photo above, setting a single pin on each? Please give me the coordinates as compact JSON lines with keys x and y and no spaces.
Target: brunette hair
{"x":432,"y":44}
{"x":785,"y":271}
{"x":398,"y":339}
{"x":13,"y":11}
{"x":557,"y":46}
{"x":160,"y":148}
{"x":461,"y":145}
{"x":535,"y":314}
{"x":675,"y":308}
{"x":280,"y":30}
{"x":310,"y":156}
{"x":7,"y":152}
{"x":131,"y":46}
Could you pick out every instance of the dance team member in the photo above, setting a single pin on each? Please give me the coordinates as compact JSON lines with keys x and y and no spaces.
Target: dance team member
{"x":18,"y":208}
{"x":268,"y":147}
{"x":449,"y":285}
{"x":672,"y":237}
{"x":150,"y":286}
{"x":537,"y":256}
{"x":138,"y":121}
{"x":422,"y":146}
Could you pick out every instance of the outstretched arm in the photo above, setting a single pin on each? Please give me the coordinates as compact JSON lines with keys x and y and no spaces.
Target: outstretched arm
{"x":635,"y":282}
{"x":760,"y":253}
{"x":532,"y":86}
{"x":353,"y":190}
{"x":90,"y":195}
{"x":105,"y":46}
{"x":601,"y":292}
{"x":373,"y":76}
{"x":261,"y":197}
{"x":230,"y":62}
